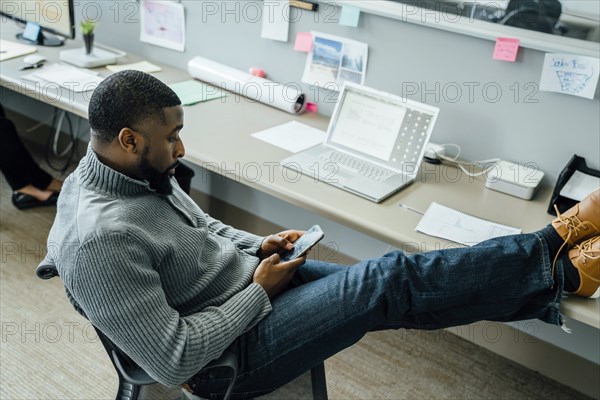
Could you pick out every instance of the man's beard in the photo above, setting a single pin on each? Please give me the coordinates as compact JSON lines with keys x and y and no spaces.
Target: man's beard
{"x":159,"y":181}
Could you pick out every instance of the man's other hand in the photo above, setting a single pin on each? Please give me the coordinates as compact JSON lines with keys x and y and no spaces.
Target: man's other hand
{"x":274,"y":275}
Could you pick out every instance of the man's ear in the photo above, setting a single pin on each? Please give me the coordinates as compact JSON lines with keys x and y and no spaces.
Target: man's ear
{"x":129,"y":140}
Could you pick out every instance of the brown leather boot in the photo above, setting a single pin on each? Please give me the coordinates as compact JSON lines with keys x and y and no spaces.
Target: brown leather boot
{"x":580,"y":222}
{"x":586,"y":258}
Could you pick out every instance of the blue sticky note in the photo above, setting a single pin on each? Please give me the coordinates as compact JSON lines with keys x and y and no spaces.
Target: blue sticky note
{"x":349,"y":16}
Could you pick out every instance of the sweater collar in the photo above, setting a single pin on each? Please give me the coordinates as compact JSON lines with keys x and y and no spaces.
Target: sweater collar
{"x":101,"y":178}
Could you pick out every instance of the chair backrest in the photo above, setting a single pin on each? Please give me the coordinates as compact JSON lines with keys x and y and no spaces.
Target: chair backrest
{"x":124,"y":365}
{"x":131,"y":375}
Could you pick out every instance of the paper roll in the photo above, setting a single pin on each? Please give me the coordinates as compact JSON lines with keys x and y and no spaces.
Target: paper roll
{"x":288,"y":98}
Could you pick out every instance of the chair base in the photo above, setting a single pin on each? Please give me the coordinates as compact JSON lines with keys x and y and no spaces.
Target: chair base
{"x":128,"y":391}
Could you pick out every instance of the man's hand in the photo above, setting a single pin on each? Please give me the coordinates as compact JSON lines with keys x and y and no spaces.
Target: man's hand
{"x":275,"y":244}
{"x":274,"y":275}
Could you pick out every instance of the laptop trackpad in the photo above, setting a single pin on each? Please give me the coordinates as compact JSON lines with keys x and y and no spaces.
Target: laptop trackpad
{"x":367,"y":186}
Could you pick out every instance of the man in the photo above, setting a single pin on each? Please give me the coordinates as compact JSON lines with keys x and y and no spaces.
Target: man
{"x":174,"y":288}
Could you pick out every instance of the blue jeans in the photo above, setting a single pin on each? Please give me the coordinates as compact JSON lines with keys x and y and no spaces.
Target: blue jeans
{"x":329,"y":307}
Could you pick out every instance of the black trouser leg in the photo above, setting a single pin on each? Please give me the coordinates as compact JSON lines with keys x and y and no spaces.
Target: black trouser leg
{"x":16,"y":163}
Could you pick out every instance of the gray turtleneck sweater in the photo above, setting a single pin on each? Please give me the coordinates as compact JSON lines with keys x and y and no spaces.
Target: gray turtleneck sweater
{"x":168,"y":284}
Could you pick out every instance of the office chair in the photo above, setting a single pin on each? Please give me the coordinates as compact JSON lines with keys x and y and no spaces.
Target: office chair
{"x":132,"y":377}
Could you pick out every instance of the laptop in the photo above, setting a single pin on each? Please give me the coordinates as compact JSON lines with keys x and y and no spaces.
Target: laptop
{"x":374,"y":145}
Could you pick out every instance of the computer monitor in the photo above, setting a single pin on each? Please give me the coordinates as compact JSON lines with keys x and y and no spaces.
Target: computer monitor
{"x":42,"y":16}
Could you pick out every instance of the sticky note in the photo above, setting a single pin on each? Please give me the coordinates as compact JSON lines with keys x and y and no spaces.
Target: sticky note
{"x":275,"y":20}
{"x":506,"y":49}
{"x":349,"y":16}
{"x":192,"y":92}
{"x":304,"y":42}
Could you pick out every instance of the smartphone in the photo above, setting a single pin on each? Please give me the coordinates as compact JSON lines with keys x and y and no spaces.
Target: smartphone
{"x":304,"y":243}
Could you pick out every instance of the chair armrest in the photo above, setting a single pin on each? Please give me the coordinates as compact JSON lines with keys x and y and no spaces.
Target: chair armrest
{"x":228,"y":360}
{"x":133,"y":374}
{"x":46,"y":271}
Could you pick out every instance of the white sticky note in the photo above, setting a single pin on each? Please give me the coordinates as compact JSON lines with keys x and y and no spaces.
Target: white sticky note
{"x":570,"y":74}
{"x":275,"y":20}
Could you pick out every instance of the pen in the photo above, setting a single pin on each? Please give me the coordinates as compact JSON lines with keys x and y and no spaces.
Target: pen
{"x":32,"y":66}
{"x":411,"y":208}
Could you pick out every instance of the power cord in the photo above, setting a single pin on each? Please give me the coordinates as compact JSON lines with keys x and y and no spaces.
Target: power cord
{"x":462,"y":163}
{"x":52,"y":142}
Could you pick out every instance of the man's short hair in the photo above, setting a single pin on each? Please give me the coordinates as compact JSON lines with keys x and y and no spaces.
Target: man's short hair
{"x":126,"y":98}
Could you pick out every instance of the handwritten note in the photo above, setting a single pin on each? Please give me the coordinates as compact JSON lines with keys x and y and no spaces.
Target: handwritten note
{"x":304,"y":42}
{"x":349,"y":16}
{"x":570,"y":74}
{"x":506,"y":49}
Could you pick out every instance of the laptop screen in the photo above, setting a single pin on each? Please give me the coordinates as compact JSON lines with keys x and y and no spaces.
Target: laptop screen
{"x":381,"y":127}
{"x":367,"y":124}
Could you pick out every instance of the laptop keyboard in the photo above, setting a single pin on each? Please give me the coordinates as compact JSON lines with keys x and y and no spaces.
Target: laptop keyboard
{"x":357,"y":165}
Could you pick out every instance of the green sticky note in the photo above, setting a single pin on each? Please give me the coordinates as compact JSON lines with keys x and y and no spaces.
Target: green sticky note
{"x":349,"y":16}
{"x":192,"y":92}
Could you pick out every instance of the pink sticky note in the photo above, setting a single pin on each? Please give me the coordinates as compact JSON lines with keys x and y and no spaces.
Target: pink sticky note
{"x":506,"y":49}
{"x":304,"y":42}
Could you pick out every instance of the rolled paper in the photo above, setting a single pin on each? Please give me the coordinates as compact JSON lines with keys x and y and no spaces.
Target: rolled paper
{"x":287,"y":97}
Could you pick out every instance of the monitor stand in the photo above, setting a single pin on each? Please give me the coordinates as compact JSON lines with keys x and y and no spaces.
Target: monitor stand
{"x":33,"y":35}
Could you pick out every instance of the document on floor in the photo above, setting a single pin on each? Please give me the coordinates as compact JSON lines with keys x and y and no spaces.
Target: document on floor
{"x":447,"y":223}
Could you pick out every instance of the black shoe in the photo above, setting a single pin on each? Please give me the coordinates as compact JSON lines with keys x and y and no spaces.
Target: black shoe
{"x":23,"y":201}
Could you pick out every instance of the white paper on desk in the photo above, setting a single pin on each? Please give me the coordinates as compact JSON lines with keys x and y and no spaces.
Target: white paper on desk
{"x":292,"y":136}
{"x":276,"y":20}
{"x":11,"y":49}
{"x":580,"y":185}
{"x":143,"y":66}
{"x":570,"y":74}
{"x":450,"y":224}
{"x":75,"y":79}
